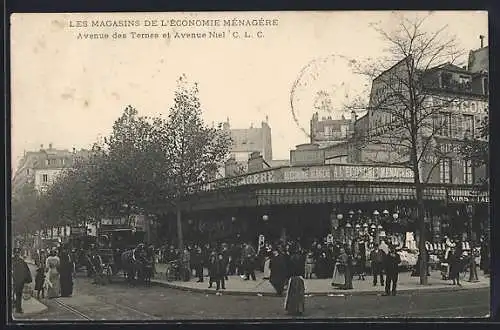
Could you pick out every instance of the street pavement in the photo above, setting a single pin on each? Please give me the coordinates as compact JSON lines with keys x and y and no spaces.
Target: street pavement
{"x":121,"y":301}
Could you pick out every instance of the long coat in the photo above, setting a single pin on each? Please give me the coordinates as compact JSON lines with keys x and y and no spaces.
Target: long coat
{"x":66,"y":275}
{"x":21,"y":273}
{"x":279,"y":272}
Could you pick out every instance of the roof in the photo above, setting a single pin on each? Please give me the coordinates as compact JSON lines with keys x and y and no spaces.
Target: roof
{"x":449,"y":67}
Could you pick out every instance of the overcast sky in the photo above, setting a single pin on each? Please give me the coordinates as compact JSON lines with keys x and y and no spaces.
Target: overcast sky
{"x":68,"y":92}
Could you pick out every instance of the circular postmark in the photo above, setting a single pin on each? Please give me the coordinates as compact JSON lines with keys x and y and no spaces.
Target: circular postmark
{"x":325,"y":85}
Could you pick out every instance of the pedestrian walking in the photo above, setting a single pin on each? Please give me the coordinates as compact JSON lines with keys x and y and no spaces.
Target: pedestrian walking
{"x":21,"y":276}
{"x":39,"y":281}
{"x":198,"y":264}
{"x":391,"y":267}
{"x":249,"y":258}
{"x":377,"y":256}
{"x":52,"y":275}
{"x":309,"y":265}
{"x":454,"y":260}
{"x":346,"y":261}
{"x":212,"y":270}
{"x":278,"y":268}
{"x":220,"y":272}
{"x":66,"y":273}
{"x":186,"y":268}
{"x":295,"y":296}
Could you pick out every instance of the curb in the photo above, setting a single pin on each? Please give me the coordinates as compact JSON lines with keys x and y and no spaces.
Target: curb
{"x":339,"y":292}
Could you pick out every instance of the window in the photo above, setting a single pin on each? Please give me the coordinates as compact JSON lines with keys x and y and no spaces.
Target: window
{"x":445,"y":170}
{"x":485,"y":86}
{"x":444,"y":124}
{"x":468,"y":171}
{"x":468,"y":125}
{"x":28,"y":171}
{"x":63,"y":161}
{"x":47,"y":162}
{"x":45,"y":178}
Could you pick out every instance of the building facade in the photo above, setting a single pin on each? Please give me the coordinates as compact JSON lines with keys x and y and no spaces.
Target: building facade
{"x":456,"y":102}
{"x":248,"y":140}
{"x":42,"y":167}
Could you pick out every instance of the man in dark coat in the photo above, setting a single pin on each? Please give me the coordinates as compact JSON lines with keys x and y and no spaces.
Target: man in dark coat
{"x":249,"y":257}
{"x":21,"y":275}
{"x":279,"y":272}
{"x":197,"y":261}
{"x":377,"y":257}
{"x":391,"y":267}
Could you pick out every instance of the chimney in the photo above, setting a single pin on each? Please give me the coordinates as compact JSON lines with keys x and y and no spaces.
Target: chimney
{"x":41,"y":146}
{"x":255,"y":162}
{"x":50,"y":146}
{"x":482,"y":40}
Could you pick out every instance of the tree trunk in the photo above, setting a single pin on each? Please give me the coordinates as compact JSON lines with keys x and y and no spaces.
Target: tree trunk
{"x":179,"y":226}
{"x":421,"y":225}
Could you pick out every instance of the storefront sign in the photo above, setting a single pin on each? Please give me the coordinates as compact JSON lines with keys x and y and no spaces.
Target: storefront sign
{"x":469,"y":199}
{"x":300,"y":174}
{"x":258,"y":178}
{"x":371,"y":173}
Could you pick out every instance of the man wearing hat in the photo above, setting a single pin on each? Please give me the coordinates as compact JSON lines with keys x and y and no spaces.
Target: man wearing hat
{"x":391,"y":266}
{"x":21,"y":275}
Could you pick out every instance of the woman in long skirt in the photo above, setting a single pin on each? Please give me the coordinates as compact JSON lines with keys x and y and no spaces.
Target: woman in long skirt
{"x":66,"y":274}
{"x":52,"y":277}
{"x":295,"y":295}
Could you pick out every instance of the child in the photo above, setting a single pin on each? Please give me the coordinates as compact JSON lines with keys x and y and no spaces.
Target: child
{"x":39,"y":282}
{"x":309,"y":266}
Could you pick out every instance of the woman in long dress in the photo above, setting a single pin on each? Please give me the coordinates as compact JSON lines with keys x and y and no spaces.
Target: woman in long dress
{"x":295,"y":296}
{"x":66,"y":273}
{"x":52,"y":277}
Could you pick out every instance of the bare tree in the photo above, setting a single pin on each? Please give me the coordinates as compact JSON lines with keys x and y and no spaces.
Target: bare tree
{"x":409,"y":112}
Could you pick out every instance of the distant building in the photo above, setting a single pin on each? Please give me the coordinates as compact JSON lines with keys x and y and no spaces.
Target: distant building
{"x":248,"y":140}
{"x":245,"y":142}
{"x":43,"y":166}
{"x":328,"y":131}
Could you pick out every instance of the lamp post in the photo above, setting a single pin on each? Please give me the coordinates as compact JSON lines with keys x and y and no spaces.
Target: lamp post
{"x":340,"y":216}
{"x":375,"y":216}
{"x":472,"y":263}
{"x":395,"y":216}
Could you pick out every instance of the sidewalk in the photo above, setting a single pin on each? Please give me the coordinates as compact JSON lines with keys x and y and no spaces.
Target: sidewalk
{"x":320,"y":287}
{"x":31,"y":306}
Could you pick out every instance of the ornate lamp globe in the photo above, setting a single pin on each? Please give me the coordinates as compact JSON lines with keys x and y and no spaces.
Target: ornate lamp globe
{"x":265,"y":217}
